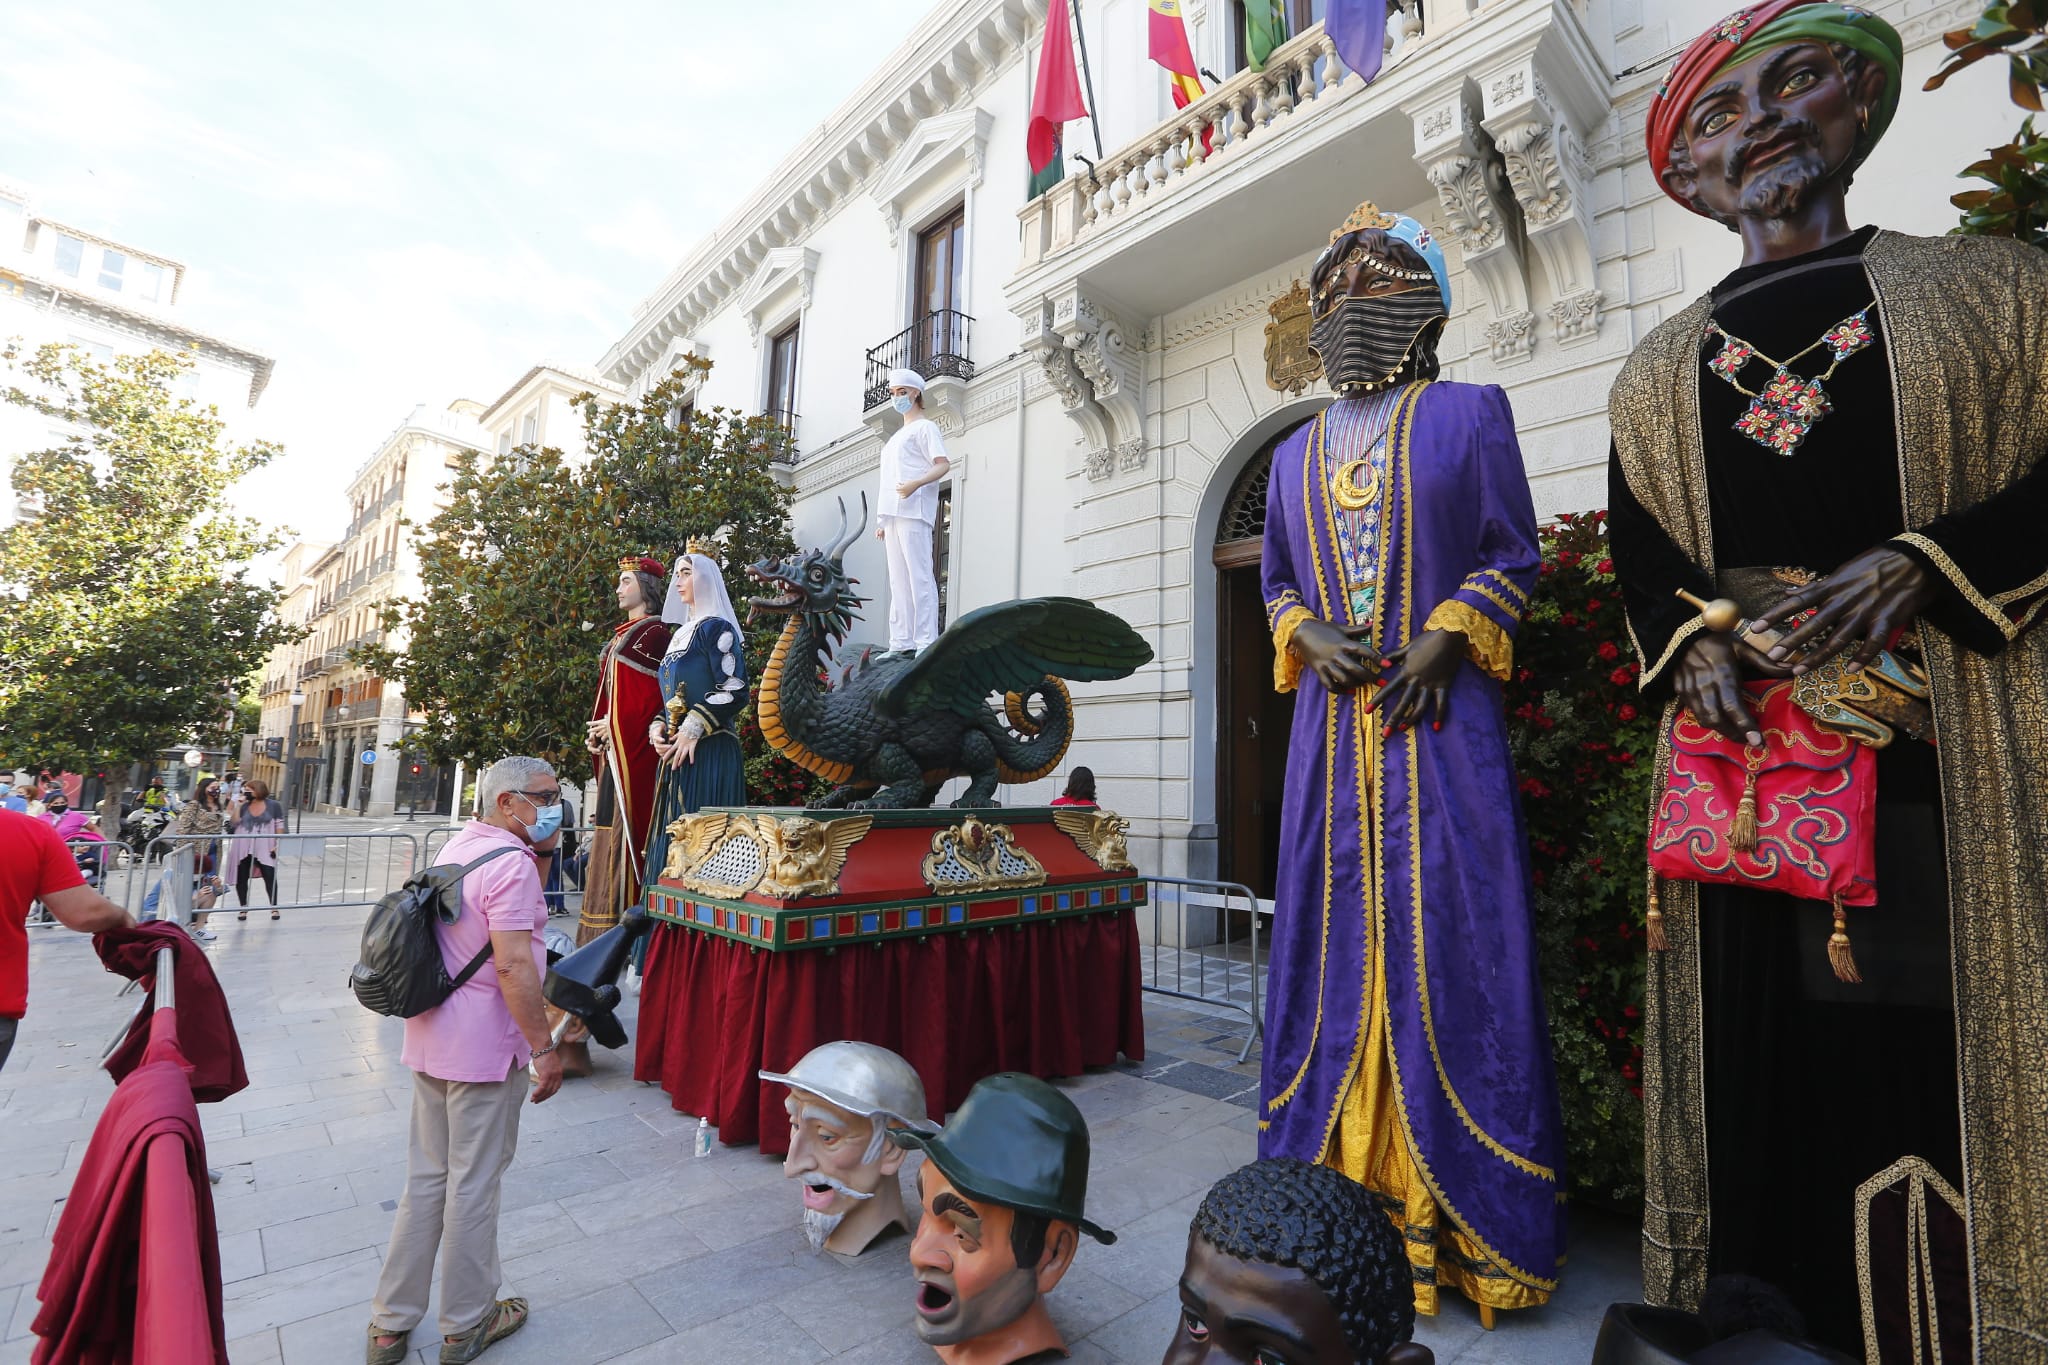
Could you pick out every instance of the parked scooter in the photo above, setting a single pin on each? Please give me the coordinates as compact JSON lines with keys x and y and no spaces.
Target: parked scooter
{"x":141,"y":826}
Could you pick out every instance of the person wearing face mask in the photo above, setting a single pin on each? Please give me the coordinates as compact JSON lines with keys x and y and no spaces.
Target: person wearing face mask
{"x":469,"y":1057}
{"x":1405,"y":1039}
{"x":913,"y":463}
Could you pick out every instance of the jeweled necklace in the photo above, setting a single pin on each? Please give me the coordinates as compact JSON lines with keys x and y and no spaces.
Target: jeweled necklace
{"x":1782,"y":413}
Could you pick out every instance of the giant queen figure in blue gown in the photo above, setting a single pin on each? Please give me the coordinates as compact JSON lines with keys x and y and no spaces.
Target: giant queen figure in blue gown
{"x":706,"y":666}
{"x":1405,"y":1039}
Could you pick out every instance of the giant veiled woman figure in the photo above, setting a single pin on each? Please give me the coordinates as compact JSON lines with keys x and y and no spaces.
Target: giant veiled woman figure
{"x":705,"y":671}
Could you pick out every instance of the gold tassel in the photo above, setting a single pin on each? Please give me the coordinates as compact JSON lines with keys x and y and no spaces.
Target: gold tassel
{"x":1654,"y":920}
{"x":1742,"y":829}
{"x":1839,"y":956}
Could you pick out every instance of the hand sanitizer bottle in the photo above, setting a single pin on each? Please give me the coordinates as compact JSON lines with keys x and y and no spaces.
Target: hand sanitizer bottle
{"x":703,"y":1138}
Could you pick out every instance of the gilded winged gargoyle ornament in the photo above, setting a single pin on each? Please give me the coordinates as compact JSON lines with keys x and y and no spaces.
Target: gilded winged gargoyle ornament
{"x":804,"y":856}
{"x":1097,"y":833}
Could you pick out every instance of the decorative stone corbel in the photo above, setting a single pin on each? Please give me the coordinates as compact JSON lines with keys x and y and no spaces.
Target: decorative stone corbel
{"x":1046,"y":346}
{"x":1536,"y":108}
{"x":1455,"y":152}
{"x":1082,"y":349}
{"x":1114,"y":373}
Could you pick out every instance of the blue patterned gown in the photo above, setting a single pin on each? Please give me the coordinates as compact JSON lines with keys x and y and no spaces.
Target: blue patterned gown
{"x":706,"y":665}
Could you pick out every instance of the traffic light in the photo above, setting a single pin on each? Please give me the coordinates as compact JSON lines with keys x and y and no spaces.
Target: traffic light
{"x":417,"y":770}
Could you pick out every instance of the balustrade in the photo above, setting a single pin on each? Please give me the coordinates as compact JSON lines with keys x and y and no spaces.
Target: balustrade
{"x":1299,"y":79}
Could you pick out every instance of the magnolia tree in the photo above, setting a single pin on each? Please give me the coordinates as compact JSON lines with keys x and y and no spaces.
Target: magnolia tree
{"x":519,"y":571}
{"x":134,"y":624}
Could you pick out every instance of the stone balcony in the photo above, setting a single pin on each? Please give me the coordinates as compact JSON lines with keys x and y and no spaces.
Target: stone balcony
{"x":1487,"y":108}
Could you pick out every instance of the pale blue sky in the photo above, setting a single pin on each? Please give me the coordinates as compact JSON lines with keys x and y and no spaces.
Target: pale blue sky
{"x":412,"y":202}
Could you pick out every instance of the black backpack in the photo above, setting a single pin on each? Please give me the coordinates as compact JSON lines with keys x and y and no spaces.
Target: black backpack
{"x":401,"y":973}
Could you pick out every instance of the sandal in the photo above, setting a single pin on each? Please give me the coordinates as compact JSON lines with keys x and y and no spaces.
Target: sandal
{"x":243,"y":916}
{"x":394,"y":1354}
{"x":275,"y":915}
{"x":506,"y":1317}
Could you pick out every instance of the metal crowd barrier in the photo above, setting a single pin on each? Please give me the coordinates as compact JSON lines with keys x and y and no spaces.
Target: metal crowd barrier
{"x":314,"y":871}
{"x":1213,"y":971}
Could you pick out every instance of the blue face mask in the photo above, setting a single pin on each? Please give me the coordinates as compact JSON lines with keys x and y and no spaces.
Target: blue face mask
{"x":902,"y":403}
{"x":547,"y":819}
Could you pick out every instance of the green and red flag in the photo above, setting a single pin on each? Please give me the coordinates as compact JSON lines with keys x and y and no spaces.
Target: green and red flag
{"x":1056,"y":98}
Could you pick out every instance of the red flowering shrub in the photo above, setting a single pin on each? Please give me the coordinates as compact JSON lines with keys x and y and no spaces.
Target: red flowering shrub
{"x":772,"y":780}
{"x":1583,"y":744}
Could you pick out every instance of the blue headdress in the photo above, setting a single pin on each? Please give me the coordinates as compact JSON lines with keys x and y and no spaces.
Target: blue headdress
{"x":1402,"y":229}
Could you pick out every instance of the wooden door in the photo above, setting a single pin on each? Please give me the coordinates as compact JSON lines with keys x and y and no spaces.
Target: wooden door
{"x":1253,"y":723}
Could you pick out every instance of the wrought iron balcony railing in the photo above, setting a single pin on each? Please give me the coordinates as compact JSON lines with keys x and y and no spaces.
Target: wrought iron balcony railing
{"x":935,"y":345}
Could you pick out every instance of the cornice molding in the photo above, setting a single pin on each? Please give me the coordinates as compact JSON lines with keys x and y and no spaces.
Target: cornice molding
{"x":953,"y":56}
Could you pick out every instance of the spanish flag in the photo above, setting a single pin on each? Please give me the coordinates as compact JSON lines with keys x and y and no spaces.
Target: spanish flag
{"x":1167,"y":40}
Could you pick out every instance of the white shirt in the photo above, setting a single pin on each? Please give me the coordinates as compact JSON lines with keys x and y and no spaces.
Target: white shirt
{"x":908,"y":456}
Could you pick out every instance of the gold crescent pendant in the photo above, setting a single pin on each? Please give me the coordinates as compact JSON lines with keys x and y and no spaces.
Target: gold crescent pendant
{"x":1352,"y":495}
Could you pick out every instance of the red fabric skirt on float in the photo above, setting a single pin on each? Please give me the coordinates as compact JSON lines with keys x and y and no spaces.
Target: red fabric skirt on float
{"x":1050,"y":999}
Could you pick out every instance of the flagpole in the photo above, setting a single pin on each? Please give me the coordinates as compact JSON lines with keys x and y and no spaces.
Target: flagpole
{"x":1081,"y":37}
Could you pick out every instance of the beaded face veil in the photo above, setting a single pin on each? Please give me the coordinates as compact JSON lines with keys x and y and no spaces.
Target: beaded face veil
{"x":1366,"y":340}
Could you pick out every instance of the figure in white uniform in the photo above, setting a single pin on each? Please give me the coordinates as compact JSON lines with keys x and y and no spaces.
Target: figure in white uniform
{"x":913,"y":463}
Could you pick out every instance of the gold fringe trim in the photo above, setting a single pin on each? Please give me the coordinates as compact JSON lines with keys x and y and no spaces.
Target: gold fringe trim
{"x":1962,"y":584}
{"x":1485,"y":642}
{"x":1287,"y":668}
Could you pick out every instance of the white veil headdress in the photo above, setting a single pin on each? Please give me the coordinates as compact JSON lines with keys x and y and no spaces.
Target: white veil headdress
{"x":708,"y":587}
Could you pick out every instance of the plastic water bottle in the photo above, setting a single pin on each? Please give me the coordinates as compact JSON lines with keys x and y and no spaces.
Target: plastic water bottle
{"x":703,"y":1138}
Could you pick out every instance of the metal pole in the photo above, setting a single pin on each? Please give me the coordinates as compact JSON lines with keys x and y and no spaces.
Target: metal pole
{"x":1081,"y":37}
{"x":291,"y":771}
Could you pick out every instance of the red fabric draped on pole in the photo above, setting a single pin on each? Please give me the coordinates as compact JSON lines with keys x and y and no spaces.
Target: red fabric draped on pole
{"x":1056,"y":99}
{"x":134,"y":1273}
{"x":1050,"y":999}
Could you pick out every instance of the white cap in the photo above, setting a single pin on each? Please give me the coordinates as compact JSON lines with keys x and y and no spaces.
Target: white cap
{"x":906,"y":379}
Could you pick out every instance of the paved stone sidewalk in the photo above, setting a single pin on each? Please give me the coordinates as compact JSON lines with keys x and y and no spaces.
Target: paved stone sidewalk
{"x":629,"y":1249}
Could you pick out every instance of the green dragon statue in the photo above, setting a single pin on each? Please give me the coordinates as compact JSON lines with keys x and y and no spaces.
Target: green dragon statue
{"x":890,"y":732}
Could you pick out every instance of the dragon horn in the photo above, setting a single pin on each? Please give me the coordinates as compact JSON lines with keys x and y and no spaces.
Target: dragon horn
{"x":839,"y":549}
{"x":838,"y":542}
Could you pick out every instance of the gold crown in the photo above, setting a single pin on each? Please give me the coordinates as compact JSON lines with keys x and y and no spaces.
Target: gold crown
{"x":1366,"y":215}
{"x":700,"y":546}
{"x":644,"y":563}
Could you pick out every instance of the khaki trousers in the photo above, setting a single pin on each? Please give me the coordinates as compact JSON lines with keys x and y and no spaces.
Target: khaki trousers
{"x":463,"y":1137}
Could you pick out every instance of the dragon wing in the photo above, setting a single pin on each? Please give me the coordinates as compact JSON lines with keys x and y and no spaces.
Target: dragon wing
{"x":1009,"y":647}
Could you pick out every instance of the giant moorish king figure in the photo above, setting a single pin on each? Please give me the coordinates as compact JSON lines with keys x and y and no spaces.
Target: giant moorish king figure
{"x":1850,"y":424}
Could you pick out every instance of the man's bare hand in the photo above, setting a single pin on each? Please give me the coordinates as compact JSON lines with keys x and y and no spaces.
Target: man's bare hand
{"x":547,"y":1077}
{"x":1343,"y":658}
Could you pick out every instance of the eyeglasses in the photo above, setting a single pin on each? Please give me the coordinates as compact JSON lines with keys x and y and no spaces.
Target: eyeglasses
{"x":547,"y":798}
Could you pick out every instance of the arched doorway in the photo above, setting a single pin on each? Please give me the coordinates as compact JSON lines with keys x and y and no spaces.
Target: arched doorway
{"x":1253,"y":721}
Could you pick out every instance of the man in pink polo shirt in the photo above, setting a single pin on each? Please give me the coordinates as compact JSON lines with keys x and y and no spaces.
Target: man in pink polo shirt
{"x":469,"y":1058}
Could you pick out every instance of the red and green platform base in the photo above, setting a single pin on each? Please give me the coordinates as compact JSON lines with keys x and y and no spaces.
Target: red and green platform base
{"x":986,"y":973}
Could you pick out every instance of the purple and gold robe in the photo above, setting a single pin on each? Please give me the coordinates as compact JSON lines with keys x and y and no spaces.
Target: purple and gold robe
{"x":1405,"y":1038}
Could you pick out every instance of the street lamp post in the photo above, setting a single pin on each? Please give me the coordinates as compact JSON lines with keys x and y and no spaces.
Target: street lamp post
{"x":291,"y":762}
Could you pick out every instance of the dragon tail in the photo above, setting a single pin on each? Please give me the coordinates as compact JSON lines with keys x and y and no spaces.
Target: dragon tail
{"x":1030,"y":746}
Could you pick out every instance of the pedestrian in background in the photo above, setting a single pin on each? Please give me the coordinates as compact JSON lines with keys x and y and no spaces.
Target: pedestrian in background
{"x":469,"y":1057}
{"x":205,"y":814}
{"x":254,"y":847}
{"x":1080,"y":789}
